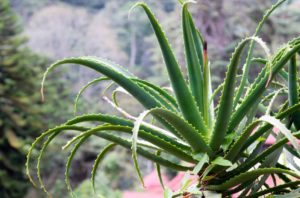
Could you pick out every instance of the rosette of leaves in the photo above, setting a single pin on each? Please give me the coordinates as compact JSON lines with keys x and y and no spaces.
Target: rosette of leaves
{"x":224,"y":143}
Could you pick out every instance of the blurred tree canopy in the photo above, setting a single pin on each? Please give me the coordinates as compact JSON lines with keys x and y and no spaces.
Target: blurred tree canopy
{"x":21,"y":115}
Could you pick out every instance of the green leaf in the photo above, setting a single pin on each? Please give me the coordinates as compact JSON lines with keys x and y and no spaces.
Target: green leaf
{"x":259,"y":86}
{"x":235,"y":150}
{"x":98,"y":160}
{"x":163,"y":144}
{"x":162,"y":92}
{"x":195,"y":68}
{"x":157,"y":159}
{"x":112,"y":72}
{"x":293,"y":91}
{"x":40,"y":138}
{"x":250,"y":162}
{"x":202,"y":160}
{"x":156,"y":93}
{"x":221,"y":161}
{"x":226,"y":100}
{"x":287,"y":133}
{"x":117,"y":75}
{"x":69,"y":161}
{"x":124,"y":122}
{"x":84,"y":88}
{"x":158,"y":170}
{"x":191,"y":135}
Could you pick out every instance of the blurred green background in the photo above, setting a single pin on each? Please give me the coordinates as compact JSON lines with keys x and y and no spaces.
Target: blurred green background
{"x":34,"y":33}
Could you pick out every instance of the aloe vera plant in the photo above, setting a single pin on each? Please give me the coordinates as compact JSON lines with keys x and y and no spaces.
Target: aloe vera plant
{"x":222,"y":143}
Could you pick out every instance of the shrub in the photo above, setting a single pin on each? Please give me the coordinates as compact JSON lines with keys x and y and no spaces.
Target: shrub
{"x":222,"y":144}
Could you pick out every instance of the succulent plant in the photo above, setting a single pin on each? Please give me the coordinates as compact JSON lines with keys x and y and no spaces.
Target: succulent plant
{"x":223,"y":144}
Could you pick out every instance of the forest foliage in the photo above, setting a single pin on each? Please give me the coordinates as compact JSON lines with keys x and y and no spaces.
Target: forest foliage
{"x":22,"y":116}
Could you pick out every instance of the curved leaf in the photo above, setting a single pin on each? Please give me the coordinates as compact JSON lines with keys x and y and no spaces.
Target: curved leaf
{"x":110,"y":71}
{"x":69,"y":161}
{"x":41,"y":152}
{"x":259,"y":86}
{"x":123,"y":122}
{"x":159,"y":160}
{"x":159,"y":172}
{"x":156,"y":93}
{"x":168,"y":147}
{"x":246,"y":67}
{"x":84,"y":88}
{"x":43,"y":135}
{"x":99,"y":158}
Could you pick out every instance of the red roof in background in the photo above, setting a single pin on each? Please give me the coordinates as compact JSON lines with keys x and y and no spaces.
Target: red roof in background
{"x":152,"y":181}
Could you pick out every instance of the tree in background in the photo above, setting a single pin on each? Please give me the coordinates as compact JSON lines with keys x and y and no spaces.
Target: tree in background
{"x":21,"y":115}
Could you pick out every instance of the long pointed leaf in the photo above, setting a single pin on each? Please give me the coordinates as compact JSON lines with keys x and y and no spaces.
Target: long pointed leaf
{"x":109,"y":70}
{"x":193,"y":62}
{"x":123,"y":122}
{"x":293,"y":91}
{"x":184,"y":97}
{"x":168,"y":147}
{"x":226,"y":100}
{"x":162,"y":92}
{"x":143,"y":152}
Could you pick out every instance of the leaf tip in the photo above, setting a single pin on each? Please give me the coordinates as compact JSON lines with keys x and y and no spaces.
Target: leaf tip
{"x":134,"y":6}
